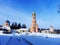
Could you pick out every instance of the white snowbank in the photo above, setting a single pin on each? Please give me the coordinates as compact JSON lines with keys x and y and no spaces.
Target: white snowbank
{"x":33,"y":34}
{"x":45,"y":35}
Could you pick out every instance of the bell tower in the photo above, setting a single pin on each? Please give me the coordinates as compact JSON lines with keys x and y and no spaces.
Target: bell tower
{"x":34,"y":26}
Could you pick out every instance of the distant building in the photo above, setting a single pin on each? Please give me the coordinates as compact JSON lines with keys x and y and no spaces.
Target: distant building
{"x":44,"y":31}
{"x":51,"y":29}
{"x":21,"y":30}
{"x":57,"y":31}
{"x":34,"y":26}
{"x":6,"y":27}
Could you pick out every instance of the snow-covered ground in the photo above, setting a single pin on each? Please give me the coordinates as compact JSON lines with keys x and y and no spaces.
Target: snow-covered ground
{"x":45,"y":35}
{"x":33,"y":34}
{"x":29,"y":38}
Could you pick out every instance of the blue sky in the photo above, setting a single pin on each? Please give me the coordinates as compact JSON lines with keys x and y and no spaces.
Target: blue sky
{"x":21,"y":11}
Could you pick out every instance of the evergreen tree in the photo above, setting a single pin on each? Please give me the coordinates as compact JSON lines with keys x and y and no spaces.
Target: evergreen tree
{"x":23,"y":26}
{"x":19,"y":25}
{"x":14,"y":25}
